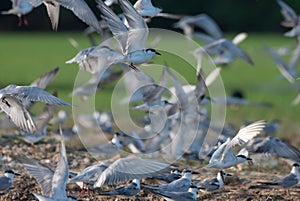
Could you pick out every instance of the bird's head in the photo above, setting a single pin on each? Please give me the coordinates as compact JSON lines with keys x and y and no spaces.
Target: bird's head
{"x":152,"y":51}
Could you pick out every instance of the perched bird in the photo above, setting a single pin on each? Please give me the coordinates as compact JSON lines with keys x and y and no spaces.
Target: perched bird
{"x":288,"y":181}
{"x":12,"y":97}
{"x":78,"y":7}
{"x":214,"y":183}
{"x":224,"y":156}
{"x":128,"y":190}
{"x":7,"y":180}
{"x":130,"y":168}
{"x":180,"y":185}
{"x":174,"y":175}
{"x":108,"y":150}
{"x":190,"y":195}
{"x":272,"y":146}
{"x":19,"y":8}
{"x":132,"y":39}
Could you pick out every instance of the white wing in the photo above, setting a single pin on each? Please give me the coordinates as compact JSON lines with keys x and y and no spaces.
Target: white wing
{"x":116,"y":26}
{"x":60,"y":177}
{"x":130,"y":168}
{"x":138,"y":29}
{"x":18,"y":114}
{"x":247,"y":133}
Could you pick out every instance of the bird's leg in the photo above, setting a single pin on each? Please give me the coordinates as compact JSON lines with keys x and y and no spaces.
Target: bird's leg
{"x":133,"y":67}
{"x":25,"y":20}
{"x":20,"y":21}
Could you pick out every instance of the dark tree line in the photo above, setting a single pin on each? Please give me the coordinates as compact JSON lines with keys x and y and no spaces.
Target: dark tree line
{"x":231,"y":15}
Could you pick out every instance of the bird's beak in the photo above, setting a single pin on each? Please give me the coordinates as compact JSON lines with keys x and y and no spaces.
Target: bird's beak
{"x":229,"y":174}
{"x":250,"y":162}
{"x":17,"y":174}
{"x":157,"y":53}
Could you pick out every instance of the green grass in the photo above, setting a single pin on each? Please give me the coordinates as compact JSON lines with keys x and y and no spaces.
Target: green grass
{"x":25,"y":56}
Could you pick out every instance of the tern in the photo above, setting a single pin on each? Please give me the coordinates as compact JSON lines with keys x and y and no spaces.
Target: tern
{"x":272,"y":146}
{"x":291,"y":19}
{"x":52,"y":183}
{"x":89,"y":174}
{"x":214,"y":183}
{"x":128,"y":190}
{"x":224,"y":156}
{"x":190,"y":195}
{"x":146,"y":9}
{"x":78,"y":7}
{"x":7,"y":180}
{"x":174,"y":175}
{"x":132,"y":39}
{"x":19,"y":8}
{"x":288,"y":181}
{"x":12,"y":97}
{"x":130,"y":168}
{"x":180,"y":185}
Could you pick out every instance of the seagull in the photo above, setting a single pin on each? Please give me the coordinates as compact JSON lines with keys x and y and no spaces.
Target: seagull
{"x":128,"y":190}
{"x":272,"y":146}
{"x":130,"y":168}
{"x":132,"y":39}
{"x":288,"y":181}
{"x":224,"y":157}
{"x":214,"y":183}
{"x":19,"y":8}
{"x":190,"y":195}
{"x":12,"y":97}
{"x":52,"y":183}
{"x":78,"y":7}
{"x":7,"y":180}
{"x":180,"y":185}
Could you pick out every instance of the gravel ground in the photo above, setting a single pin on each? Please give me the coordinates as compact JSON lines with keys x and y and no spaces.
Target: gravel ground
{"x":241,"y":186}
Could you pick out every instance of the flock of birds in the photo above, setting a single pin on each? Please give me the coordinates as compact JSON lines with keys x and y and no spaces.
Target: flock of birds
{"x":177,"y":126}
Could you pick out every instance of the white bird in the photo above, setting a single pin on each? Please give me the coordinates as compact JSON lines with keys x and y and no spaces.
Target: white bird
{"x":203,"y":21}
{"x":180,"y":185}
{"x":128,"y":190}
{"x":214,"y":183}
{"x":79,"y":7}
{"x":174,"y":175}
{"x":288,"y":181}
{"x":130,"y":168}
{"x":132,"y":39}
{"x":224,"y":156}
{"x":272,"y":146}
{"x":7,"y":180}
{"x":41,"y":125}
{"x":89,"y":174}
{"x":108,"y":150}
{"x":12,"y":98}
{"x":52,"y":183}
{"x":291,"y":19}
{"x":190,"y":195}
{"x":19,"y":8}
{"x":146,"y":9}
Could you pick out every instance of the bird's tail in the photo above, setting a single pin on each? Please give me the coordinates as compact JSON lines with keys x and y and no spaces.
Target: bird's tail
{"x":268,"y":183}
{"x":150,"y":187}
